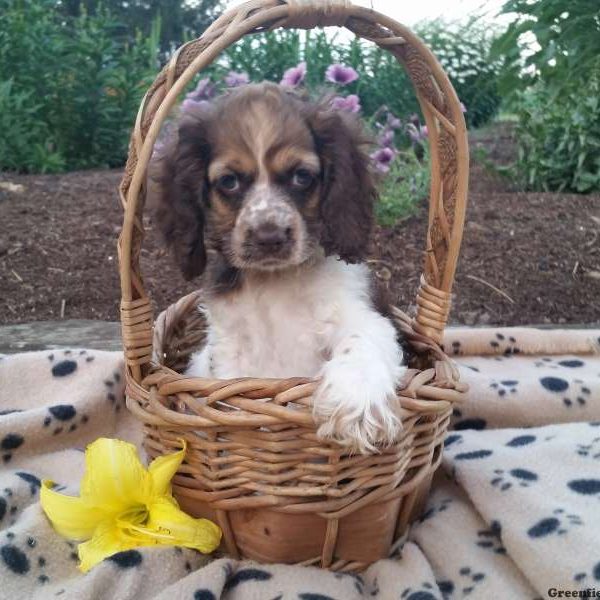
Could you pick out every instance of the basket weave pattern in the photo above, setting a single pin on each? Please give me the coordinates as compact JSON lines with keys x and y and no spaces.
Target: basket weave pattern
{"x":255,"y":464}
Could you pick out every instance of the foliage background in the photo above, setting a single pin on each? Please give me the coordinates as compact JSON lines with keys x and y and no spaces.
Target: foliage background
{"x":551,"y":82}
{"x":83,"y":66}
{"x":70,"y":86}
{"x":72,"y":73}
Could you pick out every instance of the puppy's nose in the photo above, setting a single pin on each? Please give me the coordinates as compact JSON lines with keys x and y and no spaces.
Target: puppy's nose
{"x":269,"y":236}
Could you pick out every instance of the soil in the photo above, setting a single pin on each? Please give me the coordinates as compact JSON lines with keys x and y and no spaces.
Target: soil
{"x":527,"y":258}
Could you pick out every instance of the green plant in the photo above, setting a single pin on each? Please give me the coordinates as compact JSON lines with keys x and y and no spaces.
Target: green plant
{"x":22,"y":145}
{"x":181,"y":19}
{"x":559,"y":138}
{"x":463,"y":49}
{"x":551,"y":78}
{"x":71,"y":86}
{"x":402,"y":189}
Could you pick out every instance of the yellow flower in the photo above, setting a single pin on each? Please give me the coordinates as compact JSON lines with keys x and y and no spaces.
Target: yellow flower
{"x":123,"y":505}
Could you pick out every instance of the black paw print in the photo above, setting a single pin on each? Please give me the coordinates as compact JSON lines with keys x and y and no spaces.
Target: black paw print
{"x":446,"y":586}
{"x":18,"y":560}
{"x":9,"y":443}
{"x":585,"y":487}
{"x":578,"y":392}
{"x":114,"y":392}
{"x":63,"y":365}
{"x":505,"y":387}
{"x":64,"y":418}
{"x":426,"y":592}
{"x":5,"y":508}
{"x":66,"y":363}
{"x":491,"y":539}
{"x":470,"y":423}
{"x":559,"y":524}
{"x":454,"y":439}
{"x":505,"y":480}
{"x":470,"y":580}
{"x":565,"y":363}
{"x":521,"y":440}
{"x":591,"y":450}
{"x":508,"y":346}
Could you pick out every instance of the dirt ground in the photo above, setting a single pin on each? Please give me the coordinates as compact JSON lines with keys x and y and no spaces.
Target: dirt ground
{"x":528,"y":258}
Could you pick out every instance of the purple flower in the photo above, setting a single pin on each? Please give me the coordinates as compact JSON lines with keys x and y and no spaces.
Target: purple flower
{"x":413,"y":133}
{"x":295,"y":76}
{"x":234,"y":79}
{"x":383,"y":159}
{"x":189,"y":105}
{"x":340,"y":74}
{"x":463,"y":107}
{"x":349,"y":104}
{"x":205,"y":90}
{"x":386,"y":139}
{"x":417,"y":134}
{"x":393,"y":121}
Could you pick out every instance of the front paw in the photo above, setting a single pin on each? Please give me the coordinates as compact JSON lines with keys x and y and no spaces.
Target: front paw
{"x":358,"y":409}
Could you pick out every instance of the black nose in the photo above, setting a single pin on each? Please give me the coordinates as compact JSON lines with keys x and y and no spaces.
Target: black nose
{"x":271,"y":237}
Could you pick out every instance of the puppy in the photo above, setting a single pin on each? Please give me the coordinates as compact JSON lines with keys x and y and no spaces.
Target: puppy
{"x":270,"y":197}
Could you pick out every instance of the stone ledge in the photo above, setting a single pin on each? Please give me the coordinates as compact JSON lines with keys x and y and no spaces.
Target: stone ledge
{"x":102,"y":335}
{"x":45,"y":335}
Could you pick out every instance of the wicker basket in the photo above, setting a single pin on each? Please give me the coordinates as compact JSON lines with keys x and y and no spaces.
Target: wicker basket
{"x":254,"y":463}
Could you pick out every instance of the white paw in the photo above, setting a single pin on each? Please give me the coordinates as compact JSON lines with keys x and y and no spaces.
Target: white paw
{"x":358,"y":407}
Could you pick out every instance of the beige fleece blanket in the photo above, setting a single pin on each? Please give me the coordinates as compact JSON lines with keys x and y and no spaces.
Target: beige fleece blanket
{"x":514,"y":511}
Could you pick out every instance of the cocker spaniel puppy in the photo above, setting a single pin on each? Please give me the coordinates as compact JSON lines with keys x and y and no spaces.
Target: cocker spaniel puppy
{"x":270,"y":197}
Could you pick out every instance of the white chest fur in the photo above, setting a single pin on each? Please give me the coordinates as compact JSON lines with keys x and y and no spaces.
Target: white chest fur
{"x":316,"y":321}
{"x":283,"y":324}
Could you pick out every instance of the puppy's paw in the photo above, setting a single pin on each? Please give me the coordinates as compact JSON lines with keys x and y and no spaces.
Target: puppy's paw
{"x":358,"y":408}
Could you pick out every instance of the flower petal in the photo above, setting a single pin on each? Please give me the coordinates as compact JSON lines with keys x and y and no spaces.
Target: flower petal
{"x":106,"y":541}
{"x":340,"y":74}
{"x":69,"y":516}
{"x":162,"y":470}
{"x":168,"y":525}
{"x":115,"y":479}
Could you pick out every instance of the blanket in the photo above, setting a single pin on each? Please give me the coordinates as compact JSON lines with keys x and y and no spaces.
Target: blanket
{"x":514,"y":511}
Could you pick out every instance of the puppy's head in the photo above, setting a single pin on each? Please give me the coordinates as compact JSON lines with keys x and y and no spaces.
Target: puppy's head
{"x":268,"y":179}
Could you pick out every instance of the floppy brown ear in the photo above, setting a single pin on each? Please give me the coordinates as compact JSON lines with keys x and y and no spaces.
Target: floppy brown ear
{"x":178,"y":191}
{"x":349,"y":190}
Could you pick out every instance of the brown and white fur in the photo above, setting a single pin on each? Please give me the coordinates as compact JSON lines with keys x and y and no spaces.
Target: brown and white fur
{"x":270,"y":197}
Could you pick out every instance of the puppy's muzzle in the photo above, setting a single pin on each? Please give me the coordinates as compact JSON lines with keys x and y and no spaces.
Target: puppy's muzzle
{"x":270,"y":238}
{"x":270,"y":241}
{"x":268,"y":232}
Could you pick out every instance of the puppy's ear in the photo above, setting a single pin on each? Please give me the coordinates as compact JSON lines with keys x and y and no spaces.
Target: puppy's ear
{"x":349,"y":190}
{"x":178,"y":190}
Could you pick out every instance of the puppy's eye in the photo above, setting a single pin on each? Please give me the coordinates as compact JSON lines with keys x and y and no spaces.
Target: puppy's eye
{"x":302,"y":178}
{"x":229,"y":183}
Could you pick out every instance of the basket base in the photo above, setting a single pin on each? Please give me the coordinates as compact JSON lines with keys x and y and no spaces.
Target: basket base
{"x":269,"y":536}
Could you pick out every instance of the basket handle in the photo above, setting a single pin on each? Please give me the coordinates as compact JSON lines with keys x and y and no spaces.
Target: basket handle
{"x":443,"y":117}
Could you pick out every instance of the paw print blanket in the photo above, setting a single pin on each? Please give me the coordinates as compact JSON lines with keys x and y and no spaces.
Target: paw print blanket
{"x":514,"y":511}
